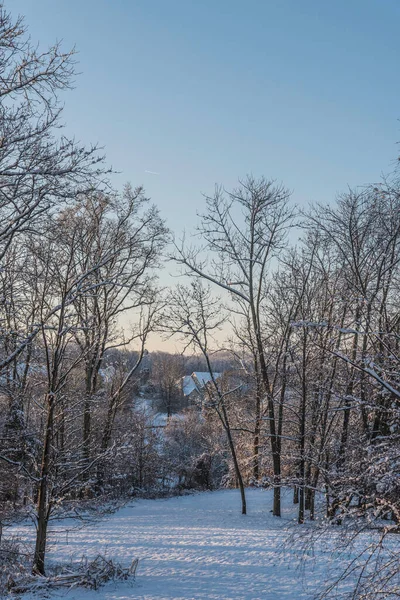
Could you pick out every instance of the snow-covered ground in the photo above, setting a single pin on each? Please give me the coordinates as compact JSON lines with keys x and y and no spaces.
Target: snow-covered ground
{"x":194,"y":547}
{"x":146,"y":406}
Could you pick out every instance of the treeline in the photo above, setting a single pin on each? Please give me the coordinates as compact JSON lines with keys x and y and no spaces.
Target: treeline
{"x":315,"y":329}
{"x":308,"y":386}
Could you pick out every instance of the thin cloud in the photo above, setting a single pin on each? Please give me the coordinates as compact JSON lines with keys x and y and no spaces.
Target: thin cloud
{"x":152,"y":172}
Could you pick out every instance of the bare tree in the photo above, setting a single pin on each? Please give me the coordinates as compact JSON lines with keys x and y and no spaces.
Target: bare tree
{"x":130,"y":231}
{"x":40,"y":170}
{"x":37,"y":168}
{"x":195,"y":315}
{"x":167,"y":371}
{"x":243,"y":231}
{"x":74,"y":287}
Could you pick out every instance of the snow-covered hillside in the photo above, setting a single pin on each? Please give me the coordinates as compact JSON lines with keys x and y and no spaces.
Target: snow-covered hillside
{"x":197,"y":546}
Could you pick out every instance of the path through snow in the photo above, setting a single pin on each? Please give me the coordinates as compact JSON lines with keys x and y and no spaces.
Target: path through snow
{"x":192,"y":547}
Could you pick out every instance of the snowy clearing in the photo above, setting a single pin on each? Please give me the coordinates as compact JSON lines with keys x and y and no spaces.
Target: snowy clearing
{"x":197,"y":546}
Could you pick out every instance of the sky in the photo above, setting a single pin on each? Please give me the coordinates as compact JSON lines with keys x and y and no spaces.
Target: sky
{"x":302,"y":91}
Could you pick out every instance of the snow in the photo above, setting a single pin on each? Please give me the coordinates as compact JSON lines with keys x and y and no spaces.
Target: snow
{"x":191,"y":547}
{"x":145,"y":406}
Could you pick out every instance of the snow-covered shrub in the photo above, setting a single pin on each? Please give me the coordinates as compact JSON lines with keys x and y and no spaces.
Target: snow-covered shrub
{"x":15,"y":562}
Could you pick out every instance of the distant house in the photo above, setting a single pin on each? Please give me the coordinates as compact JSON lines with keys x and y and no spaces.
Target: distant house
{"x":193,"y":385}
{"x":107,"y":373}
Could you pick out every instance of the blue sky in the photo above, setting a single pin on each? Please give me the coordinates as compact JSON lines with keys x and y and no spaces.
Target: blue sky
{"x":303,"y":91}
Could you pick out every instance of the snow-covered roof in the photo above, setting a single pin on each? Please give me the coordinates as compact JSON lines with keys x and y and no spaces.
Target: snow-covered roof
{"x":196,"y":381}
{"x":107,"y":373}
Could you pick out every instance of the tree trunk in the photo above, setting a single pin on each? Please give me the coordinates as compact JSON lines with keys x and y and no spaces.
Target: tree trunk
{"x":235,"y":460}
{"x":349,"y":394}
{"x":43,"y":502}
{"x":257,"y":429}
{"x":275,"y":446}
{"x":302,"y":432}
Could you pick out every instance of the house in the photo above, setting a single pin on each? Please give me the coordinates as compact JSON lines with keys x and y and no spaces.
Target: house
{"x":193,"y":385}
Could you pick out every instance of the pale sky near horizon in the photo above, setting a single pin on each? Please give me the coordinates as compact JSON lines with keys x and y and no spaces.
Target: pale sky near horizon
{"x":306,"y":92}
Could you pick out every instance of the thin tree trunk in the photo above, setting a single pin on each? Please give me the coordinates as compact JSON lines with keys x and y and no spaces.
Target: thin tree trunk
{"x":302,"y":430}
{"x":349,"y":394}
{"x":42,"y":503}
{"x":275,"y":447}
{"x":257,"y":430}
{"x":235,"y":461}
